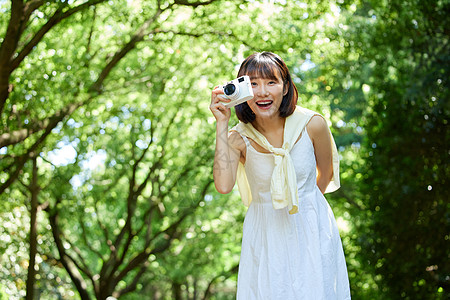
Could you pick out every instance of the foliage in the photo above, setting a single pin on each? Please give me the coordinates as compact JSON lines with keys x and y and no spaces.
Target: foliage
{"x":111,"y":98}
{"x":404,"y":71}
{"x":126,"y":166}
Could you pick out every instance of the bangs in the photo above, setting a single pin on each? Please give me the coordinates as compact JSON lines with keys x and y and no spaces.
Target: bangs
{"x":261,"y":67}
{"x":267,"y":65}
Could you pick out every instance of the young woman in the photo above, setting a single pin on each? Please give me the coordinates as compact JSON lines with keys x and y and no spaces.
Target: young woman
{"x":283,"y":158}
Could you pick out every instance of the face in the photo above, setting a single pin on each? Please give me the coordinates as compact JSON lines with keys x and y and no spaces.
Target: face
{"x":268,"y":94}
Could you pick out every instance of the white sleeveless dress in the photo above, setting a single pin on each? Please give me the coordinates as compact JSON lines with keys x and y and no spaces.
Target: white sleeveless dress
{"x":283,"y":256}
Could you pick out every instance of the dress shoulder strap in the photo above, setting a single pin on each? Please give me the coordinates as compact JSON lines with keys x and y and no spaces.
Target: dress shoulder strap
{"x":244,"y":137}
{"x":247,"y":142}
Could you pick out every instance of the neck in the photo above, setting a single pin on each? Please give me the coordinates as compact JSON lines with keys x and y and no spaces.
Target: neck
{"x":269,"y":125}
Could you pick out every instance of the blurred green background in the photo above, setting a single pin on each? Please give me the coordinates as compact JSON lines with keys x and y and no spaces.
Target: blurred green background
{"x":107,"y":142}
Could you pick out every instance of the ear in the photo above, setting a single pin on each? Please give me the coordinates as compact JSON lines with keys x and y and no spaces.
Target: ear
{"x":285,"y":88}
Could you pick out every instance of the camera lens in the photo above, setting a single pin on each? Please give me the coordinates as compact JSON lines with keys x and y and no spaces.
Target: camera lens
{"x":229,"y":89}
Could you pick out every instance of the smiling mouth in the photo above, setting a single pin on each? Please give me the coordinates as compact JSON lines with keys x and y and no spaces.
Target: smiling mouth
{"x":264,"y":103}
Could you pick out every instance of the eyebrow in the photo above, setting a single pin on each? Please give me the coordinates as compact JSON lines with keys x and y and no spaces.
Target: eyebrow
{"x":254,"y":77}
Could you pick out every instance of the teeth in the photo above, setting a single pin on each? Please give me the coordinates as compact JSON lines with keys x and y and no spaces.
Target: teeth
{"x":264,"y":102}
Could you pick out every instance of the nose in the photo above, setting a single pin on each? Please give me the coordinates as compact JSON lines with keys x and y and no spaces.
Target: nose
{"x":262,"y":90}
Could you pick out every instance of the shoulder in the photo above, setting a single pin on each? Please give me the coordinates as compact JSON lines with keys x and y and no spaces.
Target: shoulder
{"x":317,"y":123}
{"x":236,"y":141}
{"x":317,"y":127}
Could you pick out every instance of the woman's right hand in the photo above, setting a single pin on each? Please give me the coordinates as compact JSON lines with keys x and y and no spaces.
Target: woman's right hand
{"x":226,"y":156}
{"x":220,"y":111}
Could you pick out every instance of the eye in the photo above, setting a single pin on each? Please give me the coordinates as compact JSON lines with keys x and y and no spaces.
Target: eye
{"x":254,"y":84}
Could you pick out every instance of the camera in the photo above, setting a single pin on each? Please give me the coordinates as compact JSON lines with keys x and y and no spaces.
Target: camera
{"x":238,"y":91}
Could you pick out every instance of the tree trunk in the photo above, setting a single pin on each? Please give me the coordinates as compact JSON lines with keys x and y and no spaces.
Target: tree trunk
{"x":194,"y":296}
{"x":176,"y":290}
{"x":34,"y":189}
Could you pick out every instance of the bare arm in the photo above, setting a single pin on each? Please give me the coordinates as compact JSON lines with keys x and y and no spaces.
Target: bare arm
{"x":228,"y":148}
{"x":320,"y":136}
{"x":226,"y":160}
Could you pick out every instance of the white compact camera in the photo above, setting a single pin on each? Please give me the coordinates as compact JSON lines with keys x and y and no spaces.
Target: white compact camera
{"x":238,"y":91}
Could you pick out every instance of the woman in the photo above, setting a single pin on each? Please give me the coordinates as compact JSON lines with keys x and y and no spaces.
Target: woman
{"x":283,"y":158}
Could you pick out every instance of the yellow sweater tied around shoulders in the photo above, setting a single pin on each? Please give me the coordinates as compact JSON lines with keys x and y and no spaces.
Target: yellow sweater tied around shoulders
{"x":283,"y":186}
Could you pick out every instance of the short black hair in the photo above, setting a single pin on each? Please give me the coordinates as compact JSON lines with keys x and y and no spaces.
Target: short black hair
{"x":267,"y":65}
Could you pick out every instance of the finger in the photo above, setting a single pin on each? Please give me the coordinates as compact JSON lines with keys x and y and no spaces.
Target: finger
{"x":222,"y":107}
{"x":219,"y":107}
{"x":215,"y":93}
{"x":214,"y":99}
{"x":217,"y":99}
{"x":217,"y":90}
{"x":223,"y":98}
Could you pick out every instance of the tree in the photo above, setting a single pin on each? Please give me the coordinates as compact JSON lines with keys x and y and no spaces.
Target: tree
{"x":35,"y":126}
{"x":405,"y":66}
{"x":120,"y":91}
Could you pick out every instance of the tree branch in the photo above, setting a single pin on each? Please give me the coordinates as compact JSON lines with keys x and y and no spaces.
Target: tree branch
{"x":137,"y":37}
{"x":30,"y":7}
{"x":215,"y":33}
{"x":132,"y":196}
{"x":170,"y":232}
{"x":172,"y":228}
{"x":82,"y":266}
{"x":20,"y":15}
{"x":193,"y":4}
{"x":34,"y":191}
{"x":65,"y":259}
{"x":132,"y":286}
{"x":225,"y":274}
{"x":12,"y":36}
{"x":57,"y":17}
{"x":17,"y":136}
{"x":8,"y":47}
{"x":91,"y":32}
{"x":85,"y":239}
{"x":52,"y":123}
{"x":101,"y":225}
